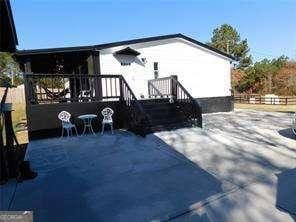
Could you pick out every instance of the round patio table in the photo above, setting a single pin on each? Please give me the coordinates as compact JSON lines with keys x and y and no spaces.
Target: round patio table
{"x":87,"y":119}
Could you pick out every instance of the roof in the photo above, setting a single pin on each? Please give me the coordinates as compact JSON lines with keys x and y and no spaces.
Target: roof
{"x":121,"y":43}
{"x":8,"y":39}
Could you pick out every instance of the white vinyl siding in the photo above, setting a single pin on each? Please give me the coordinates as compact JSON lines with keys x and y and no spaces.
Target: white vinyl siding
{"x":202,"y":72}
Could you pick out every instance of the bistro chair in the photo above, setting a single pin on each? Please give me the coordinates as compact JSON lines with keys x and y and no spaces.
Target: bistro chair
{"x":67,"y":126}
{"x":107,"y":118}
{"x":294,"y":123}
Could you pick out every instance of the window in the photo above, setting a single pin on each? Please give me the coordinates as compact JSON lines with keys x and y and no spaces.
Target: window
{"x":155,"y":65}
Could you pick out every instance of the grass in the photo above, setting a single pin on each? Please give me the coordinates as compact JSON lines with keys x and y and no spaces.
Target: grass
{"x":268,"y":108}
{"x":18,"y":121}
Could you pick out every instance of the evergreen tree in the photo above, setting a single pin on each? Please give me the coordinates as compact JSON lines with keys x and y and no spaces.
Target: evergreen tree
{"x":227,"y":39}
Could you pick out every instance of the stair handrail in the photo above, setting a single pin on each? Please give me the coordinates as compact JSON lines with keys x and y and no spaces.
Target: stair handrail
{"x":150,"y":84}
{"x":139,"y":121}
{"x":177,"y":92}
{"x":196,"y":109}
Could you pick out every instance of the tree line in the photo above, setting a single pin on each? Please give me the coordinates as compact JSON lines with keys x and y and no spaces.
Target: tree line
{"x":268,"y":76}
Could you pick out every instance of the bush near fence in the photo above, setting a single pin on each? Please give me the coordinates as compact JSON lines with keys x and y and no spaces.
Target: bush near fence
{"x":261,"y":99}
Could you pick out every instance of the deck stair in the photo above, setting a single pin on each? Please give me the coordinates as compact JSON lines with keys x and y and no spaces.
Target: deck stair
{"x":164,"y":115}
{"x":171,"y":106}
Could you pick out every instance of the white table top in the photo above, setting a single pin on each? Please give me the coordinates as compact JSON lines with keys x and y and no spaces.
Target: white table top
{"x":87,"y":116}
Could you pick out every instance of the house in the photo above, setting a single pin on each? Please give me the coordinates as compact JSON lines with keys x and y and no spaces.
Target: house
{"x":8,"y":37}
{"x":155,"y":83}
{"x":194,"y":76}
{"x":203,"y":70}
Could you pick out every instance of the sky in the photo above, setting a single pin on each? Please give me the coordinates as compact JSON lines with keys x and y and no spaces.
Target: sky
{"x":269,"y":26}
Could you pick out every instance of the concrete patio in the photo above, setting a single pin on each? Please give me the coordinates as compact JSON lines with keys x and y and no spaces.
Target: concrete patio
{"x":239,"y":167}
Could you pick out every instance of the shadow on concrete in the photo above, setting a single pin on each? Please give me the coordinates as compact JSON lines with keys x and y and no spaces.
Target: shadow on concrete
{"x":286,"y":192}
{"x":287,"y":133}
{"x":243,"y":149}
{"x":118,"y":177}
{"x":56,"y":197}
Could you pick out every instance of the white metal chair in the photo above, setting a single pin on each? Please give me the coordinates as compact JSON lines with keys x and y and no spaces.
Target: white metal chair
{"x":67,"y":126}
{"x":294,"y":123}
{"x":107,"y":118}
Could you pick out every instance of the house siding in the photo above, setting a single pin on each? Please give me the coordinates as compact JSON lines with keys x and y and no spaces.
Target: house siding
{"x":202,"y":72}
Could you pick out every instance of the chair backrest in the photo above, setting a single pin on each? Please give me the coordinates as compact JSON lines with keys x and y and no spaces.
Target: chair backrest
{"x":64,"y":116}
{"x":107,"y":113}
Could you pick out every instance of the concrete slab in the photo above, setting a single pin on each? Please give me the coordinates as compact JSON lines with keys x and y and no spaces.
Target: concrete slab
{"x":6,"y":194}
{"x":286,"y":191}
{"x":248,"y":149}
{"x":239,"y":167}
{"x":239,"y":206}
{"x":235,"y":147}
{"x":117,"y":177}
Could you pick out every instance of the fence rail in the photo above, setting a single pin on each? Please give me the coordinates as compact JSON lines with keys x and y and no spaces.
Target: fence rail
{"x":259,"y":99}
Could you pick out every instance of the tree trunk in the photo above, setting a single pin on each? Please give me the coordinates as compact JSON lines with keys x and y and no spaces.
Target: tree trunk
{"x":270,"y":83}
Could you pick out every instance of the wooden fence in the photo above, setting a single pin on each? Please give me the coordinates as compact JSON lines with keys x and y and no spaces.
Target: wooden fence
{"x":15,"y":95}
{"x":259,"y":99}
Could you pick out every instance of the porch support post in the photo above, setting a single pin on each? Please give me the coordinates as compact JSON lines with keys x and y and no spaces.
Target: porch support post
{"x":174,"y":86}
{"x":27,"y":64}
{"x":93,"y":63}
{"x":29,"y":85}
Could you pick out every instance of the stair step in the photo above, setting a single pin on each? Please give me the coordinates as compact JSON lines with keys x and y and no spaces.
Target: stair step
{"x":153,"y":101}
{"x":161,"y":106}
{"x":164,"y":115}
{"x":171,"y":117}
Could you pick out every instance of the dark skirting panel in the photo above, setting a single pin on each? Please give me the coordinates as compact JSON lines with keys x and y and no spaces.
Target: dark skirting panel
{"x":44,"y":123}
{"x":216,"y":104}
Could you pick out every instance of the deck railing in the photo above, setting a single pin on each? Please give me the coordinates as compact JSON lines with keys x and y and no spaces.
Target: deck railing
{"x":68,"y":88}
{"x":161,"y":87}
{"x":171,"y":87}
{"x":62,"y":88}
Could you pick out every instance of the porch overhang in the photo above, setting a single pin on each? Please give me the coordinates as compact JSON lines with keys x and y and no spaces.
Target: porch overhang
{"x":8,"y":36}
{"x":127,"y":51}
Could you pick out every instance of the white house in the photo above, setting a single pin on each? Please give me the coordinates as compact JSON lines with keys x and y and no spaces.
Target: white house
{"x":202,"y":70}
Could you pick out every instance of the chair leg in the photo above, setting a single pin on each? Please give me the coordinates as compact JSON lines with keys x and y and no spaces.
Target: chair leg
{"x":68,"y":133}
{"x":62,"y":132}
{"x":103,"y":126}
{"x":111,"y":128}
{"x":76,"y":131}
